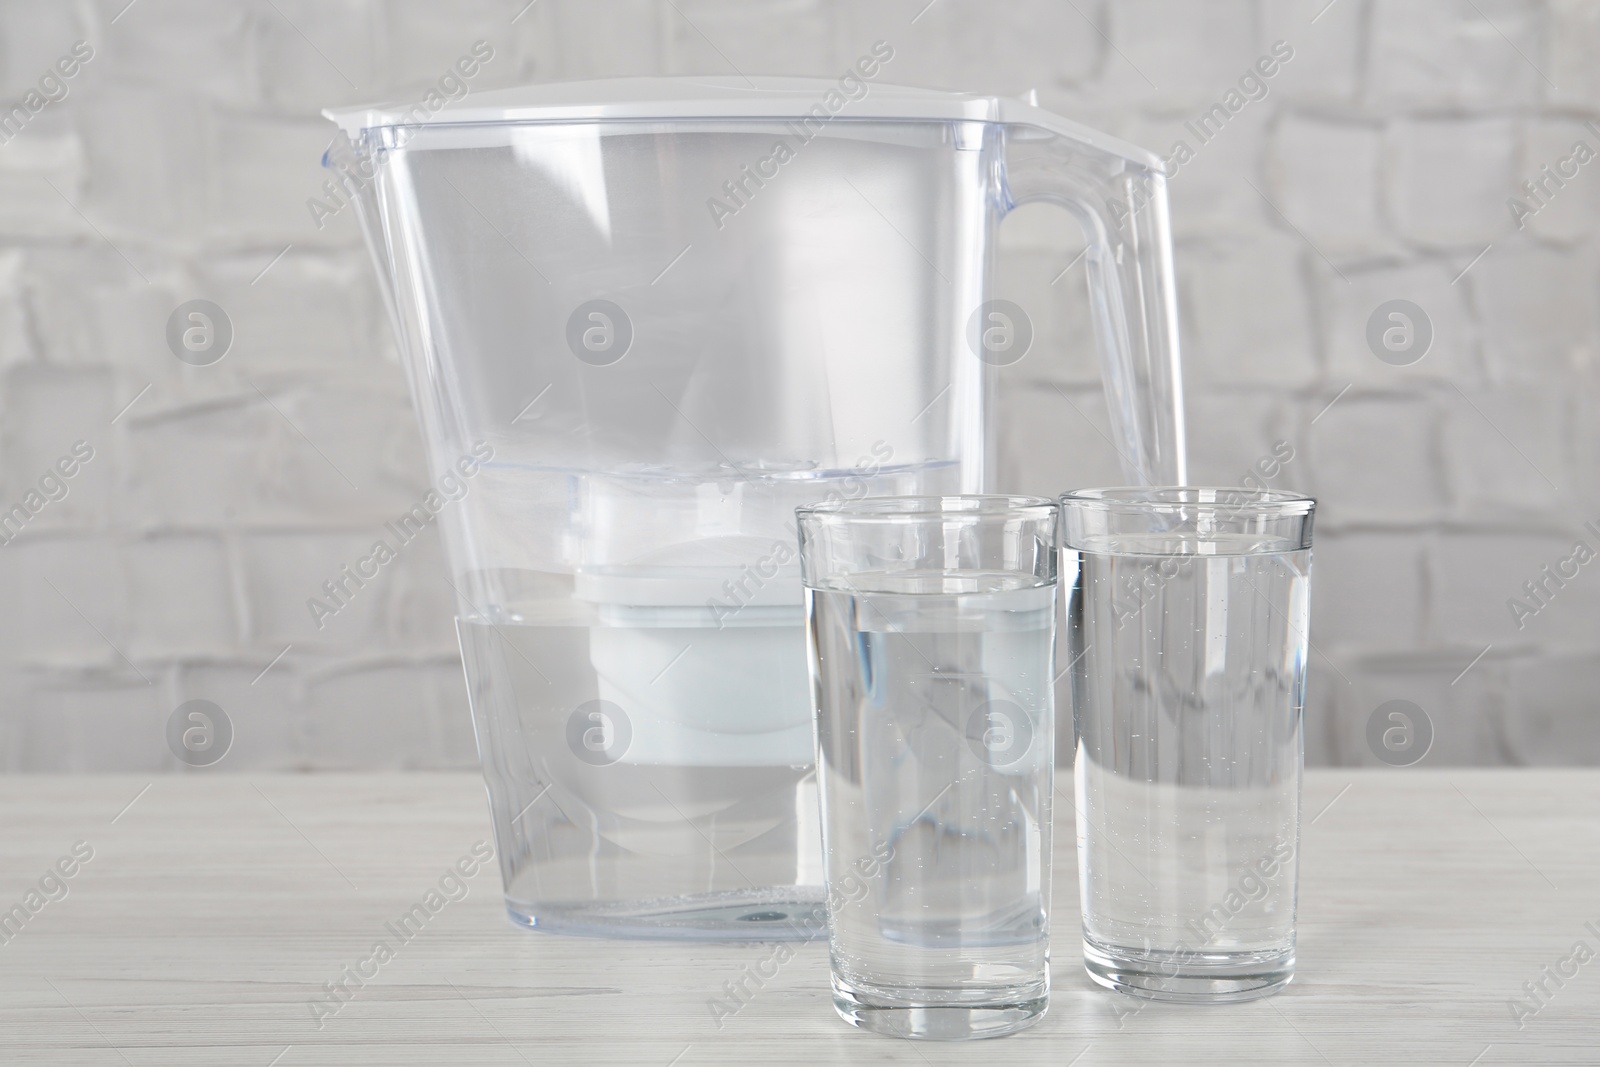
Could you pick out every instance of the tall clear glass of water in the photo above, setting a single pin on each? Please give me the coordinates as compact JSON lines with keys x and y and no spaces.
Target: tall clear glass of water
{"x":930,"y":624}
{"x":1186,"y":620}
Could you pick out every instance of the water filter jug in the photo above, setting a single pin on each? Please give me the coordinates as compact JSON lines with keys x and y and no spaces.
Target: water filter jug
{"x":654,"y":316}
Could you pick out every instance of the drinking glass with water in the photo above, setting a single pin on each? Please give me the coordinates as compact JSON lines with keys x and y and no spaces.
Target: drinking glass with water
{"x":1186,"y":620}
{"x":930,"y":624}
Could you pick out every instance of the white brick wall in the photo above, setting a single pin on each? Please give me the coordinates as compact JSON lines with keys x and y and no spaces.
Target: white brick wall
{"x":1377,"y":167}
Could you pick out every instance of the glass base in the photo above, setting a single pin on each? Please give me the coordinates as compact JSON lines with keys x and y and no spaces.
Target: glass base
{"x":1189,"y":977}
{"x":793,"y":913}
{"x":972,"y":1015}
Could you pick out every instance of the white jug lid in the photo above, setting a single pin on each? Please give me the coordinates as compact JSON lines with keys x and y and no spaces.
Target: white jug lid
{"x":701,"y":97}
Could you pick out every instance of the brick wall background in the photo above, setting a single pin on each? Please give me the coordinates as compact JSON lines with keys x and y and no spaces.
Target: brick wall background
{"x":1377,"y":167}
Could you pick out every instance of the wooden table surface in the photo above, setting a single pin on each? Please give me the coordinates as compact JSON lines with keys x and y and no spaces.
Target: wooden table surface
{"x":215,"y":909}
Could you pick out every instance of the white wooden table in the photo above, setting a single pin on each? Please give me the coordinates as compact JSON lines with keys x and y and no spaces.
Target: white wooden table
{"x":215,"y":909}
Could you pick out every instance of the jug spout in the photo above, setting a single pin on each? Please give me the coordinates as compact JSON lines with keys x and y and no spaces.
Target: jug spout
{"x":352,"y":185}
{"x":1118,"y":193}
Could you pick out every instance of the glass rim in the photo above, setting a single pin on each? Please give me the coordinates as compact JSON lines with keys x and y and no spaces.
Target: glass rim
{"x":1153,"y":499}
{"x":946,"y":505}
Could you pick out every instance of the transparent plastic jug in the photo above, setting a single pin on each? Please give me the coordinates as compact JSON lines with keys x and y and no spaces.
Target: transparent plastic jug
{"x":643,"y":321}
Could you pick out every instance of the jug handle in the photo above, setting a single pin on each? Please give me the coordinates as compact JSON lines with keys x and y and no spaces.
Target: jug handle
{"x":1120,"y":200}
